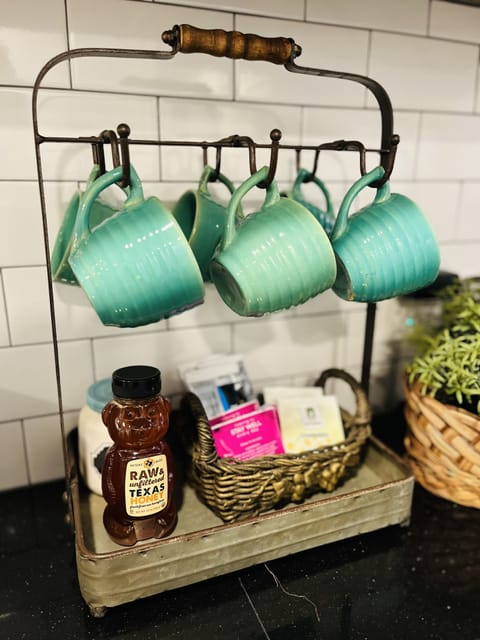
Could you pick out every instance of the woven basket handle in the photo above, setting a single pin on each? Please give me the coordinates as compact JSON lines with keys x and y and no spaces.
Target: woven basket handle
{"x":362,"y":412}
{"x":206,"y":444}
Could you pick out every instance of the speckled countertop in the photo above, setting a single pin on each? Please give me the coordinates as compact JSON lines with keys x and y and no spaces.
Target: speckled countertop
{"x":400,"y":583}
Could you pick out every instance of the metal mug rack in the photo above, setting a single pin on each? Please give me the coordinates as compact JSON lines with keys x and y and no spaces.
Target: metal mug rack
{"x":187,"y":39}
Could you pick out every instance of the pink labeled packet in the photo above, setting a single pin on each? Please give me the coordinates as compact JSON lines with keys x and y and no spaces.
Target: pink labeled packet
{"x":249,"y":436}
{"x":235,"y":412}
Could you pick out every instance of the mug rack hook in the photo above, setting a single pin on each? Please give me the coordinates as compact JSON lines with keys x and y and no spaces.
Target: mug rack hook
{"x":218,"y":161}
{"x":275,"y":137}
{"x":110,"y":136}
{"x":123,"y":131}
{"x":98,"y":154}
{"x":339,"y":145}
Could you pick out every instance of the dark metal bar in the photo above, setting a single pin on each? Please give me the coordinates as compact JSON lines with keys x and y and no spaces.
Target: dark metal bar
{"x":368,"y":346}
{"x":389,"y":140}
{"x":225,"y":142}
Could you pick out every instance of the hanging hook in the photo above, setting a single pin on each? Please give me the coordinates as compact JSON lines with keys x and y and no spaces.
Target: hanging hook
{"x":218,"y":159}
{"x":298,"y":153}
{"x":99,"y":156}
{"x":313,"y":172}
{"x":275,"y":136}
{"x":110,"y":136}
{"x":338,"y":145}
{"x":123,"y":131}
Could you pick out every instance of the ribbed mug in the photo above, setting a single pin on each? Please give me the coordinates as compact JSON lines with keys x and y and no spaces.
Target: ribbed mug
{"x":386,"y":249}
{"x":276,"y":258}
{"x":136,"y":267}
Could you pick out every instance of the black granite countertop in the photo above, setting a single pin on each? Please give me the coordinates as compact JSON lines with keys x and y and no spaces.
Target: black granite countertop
{"x":398,"y":583}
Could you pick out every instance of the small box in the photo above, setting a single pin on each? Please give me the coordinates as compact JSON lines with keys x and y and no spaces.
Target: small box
{"x":249,"y":436}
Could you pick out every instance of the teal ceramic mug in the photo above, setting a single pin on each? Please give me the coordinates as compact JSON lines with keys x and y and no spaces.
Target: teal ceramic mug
{"x":60,"y":268}
{"x":278,"y":257}
{"x":386,"y":249}
{"x":325,"y":216}
{"x":202,"y":218}
{"x":136,"y":267}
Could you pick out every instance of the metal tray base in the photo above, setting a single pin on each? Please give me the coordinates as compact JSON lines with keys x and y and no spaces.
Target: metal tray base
{"x":202,"y":546}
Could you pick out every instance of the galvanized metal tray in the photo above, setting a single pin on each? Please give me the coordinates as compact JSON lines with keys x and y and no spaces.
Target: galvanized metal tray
{"x":202,"y":546}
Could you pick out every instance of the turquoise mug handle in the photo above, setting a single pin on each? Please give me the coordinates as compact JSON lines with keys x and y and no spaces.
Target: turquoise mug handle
{"x":382,"y":194}
{"x":207,"y":173}
{"x":300,"y":179}
{"x":272,"y":196}
{"x":82,"y":224}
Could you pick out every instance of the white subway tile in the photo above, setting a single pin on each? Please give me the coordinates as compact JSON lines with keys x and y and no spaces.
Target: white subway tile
{"x":390,"y":336}
{"x":214,"y":120}
{"x":458,"y":22}
{"x":134,"y":25}
{"x":24,"y":243}
{"x":13,"y":463}
{"x":351,"y":345}
{"x":212,"y":311}
{"x":277,"y":8}
{"x":477,"y":101}
{"x":166,"y":350}
{"x":76,"y":318}
{"x":16,"y":135}
{"x":421,"y":73}
{"x":27,"y":288}
{"x":4,"y":333}
{"x":43,"y":440}
{"x":76,"y":372}
{"x":461,"y":258}
{"x":438,"y":201}
{"x":409,"y":16}
{"x":31,"y":34}
{"x":72,"y":114}
{"x":27,"y":382}
{"x":287,"y":346}
{"x":266,"y":82}
{"x":448,"y":147}
{"x":26,"y":295}
{"x":468,"y":226}
{"x":78,"y":113}
{"x":326,"y":124}
{"x":326,"y":302}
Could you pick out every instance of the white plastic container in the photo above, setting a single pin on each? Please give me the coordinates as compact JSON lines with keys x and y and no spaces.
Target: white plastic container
{"x":93,"y":437}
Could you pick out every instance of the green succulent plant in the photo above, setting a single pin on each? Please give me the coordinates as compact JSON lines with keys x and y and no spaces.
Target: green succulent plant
{"x":447,"y":363}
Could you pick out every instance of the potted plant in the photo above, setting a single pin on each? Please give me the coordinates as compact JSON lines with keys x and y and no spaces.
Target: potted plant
{"x":443,"y":398}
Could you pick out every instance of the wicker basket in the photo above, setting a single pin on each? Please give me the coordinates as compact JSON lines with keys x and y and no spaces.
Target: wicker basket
{"x":443,"y":447}
{"x":236,"y":490}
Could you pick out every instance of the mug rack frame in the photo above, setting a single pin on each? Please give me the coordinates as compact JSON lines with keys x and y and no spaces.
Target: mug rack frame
{"x":216,"y":42}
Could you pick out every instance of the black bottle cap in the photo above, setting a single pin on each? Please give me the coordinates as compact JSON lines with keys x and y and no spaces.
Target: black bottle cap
{"x":138,"y":381}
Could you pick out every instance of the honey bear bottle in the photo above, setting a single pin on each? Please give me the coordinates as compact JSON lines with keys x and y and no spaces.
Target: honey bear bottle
{"x":137,"y":474}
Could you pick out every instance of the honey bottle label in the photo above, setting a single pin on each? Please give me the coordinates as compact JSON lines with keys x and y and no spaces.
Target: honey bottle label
{"x":146,"y":486}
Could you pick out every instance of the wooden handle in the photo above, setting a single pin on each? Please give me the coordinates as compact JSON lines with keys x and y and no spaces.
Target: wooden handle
{"x":231,"y":44}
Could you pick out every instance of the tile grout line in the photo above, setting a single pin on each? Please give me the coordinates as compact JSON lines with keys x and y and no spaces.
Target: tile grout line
{"x":250,"y":602}
{"x":159,"y":129}
{"x":417,"y":147}
{"x":7,"y":319}
{"x":429,"y":19}
{"x":253,"y":103}
{"x":369,"y":66}
{"x":476,"y":86}
{"x":25,"y":452}
{"x":234,"y":64}
{"x":67,"y":33}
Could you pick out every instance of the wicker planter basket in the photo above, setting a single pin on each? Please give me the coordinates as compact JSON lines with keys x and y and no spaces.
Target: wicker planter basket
{"x":236,"y":490}
{"x":443,"y":447}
